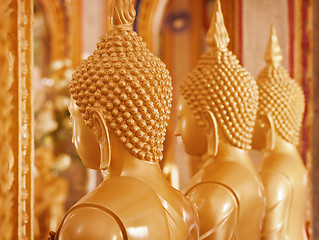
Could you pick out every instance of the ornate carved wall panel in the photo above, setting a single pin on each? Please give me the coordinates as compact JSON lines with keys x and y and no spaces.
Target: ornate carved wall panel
{"x":21,"y":131}
{"x":6,"y":157}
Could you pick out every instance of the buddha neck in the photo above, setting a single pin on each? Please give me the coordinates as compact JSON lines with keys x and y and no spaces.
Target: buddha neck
{"x":228,"y":152}
{"x":284,"y":147}
{"x":146,"y":171}
{"x":125,"y":164}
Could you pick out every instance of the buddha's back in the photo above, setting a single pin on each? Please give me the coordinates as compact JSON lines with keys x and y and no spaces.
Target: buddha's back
{"x":285,"y":179}
{"x":243,"y":186}
{"x":127,"y":208}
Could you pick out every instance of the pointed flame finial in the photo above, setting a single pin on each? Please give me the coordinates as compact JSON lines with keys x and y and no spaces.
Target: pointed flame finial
{"x":122,"y":14}
{"x":273,"y":55}
{"x":217,"y":35}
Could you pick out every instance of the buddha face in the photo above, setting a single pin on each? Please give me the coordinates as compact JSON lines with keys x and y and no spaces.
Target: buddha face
{"x":193,"y":136}
{"x":84,"y":139}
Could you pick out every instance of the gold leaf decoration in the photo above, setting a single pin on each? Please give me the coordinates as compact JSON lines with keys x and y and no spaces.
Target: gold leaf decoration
{"x":6,"y":156}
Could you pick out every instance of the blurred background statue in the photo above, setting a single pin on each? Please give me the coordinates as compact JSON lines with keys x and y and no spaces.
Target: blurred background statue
{"x":216,"y":116}
{"x":277,"y":133}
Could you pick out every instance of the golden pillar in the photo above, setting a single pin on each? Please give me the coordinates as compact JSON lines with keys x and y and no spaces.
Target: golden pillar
{"x":6,"y":158}
{"x":16,"y":151}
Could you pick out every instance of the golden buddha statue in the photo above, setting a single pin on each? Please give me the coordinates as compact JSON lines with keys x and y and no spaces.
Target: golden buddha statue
{"x":216,"y":116}
{"x":50,"y":193}
{"x":277,"y":129}
{"x":120,"y":104}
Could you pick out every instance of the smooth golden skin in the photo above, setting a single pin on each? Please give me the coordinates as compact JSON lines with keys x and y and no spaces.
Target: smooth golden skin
{"x":187,"y":128}
{"x":276,"y":134}
{"x":285,"y":180}
{"x":227,"y":192}
{"x":135,"y":202}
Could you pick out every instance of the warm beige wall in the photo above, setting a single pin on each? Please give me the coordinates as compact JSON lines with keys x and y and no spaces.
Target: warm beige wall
{"x":258,"y":15}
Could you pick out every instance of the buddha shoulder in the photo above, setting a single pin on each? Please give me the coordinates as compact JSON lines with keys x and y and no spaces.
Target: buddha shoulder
{"x":289,"y":164}
{"x":117,"y":205}
{"x":92,"y":223}
{"x":216,"y":198}
{"x":278,"y":187}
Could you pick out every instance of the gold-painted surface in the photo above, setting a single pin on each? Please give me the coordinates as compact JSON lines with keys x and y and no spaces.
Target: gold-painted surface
{"x":120,"y":102}
{"x":6,"y":155}
{"x":149,"y":24}
{"x":280,"y":96}
{"x":216,"y":117}
{"x":285,"y":178}
{"x":126,"y":78}
{"x":217,"y":35}
{"x":21,"y":50}
{"x":217,"y":84}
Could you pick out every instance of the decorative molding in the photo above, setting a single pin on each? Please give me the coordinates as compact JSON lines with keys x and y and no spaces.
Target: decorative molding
{"x":21,"y":48}
{"x":6,"y":157}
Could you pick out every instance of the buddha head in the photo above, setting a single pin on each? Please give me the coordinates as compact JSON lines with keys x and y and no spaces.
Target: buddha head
{"x":281,"y":101}
{"x":219,"y":98}
{"x":121,"y":95}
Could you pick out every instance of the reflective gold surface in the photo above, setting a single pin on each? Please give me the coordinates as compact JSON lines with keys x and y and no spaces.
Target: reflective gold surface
{"x":285,"y":178}
{"x":216,"y":118}
{"x":19,"y":43}
{"x":121,"y":99}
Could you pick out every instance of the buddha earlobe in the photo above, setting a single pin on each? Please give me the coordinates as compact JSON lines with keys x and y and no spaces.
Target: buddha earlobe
{"x":271,"y":136}
{"x":211,"y":130}
{"x":103,"y":138}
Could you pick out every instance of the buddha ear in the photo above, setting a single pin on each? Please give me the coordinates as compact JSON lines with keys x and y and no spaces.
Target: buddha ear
{"x":101,"y":130}
{"x":270,"y":134}
{"x":211,"y":129}
{"x":103,"y":137}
